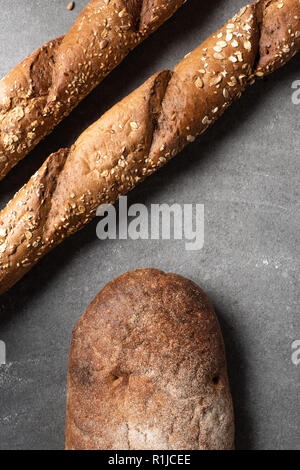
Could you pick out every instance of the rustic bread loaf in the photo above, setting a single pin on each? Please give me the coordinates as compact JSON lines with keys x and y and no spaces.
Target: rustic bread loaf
{"x":143,"y":132}
{"x":147,"y":369}
{"x":43,"y":89}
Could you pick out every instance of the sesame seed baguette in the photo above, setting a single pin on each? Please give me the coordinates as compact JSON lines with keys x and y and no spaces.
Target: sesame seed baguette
{"x":142,"y":132}
{"x":43,"y":89}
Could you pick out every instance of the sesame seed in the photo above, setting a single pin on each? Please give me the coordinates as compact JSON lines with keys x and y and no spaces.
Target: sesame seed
{"x":199,"y":82}
{"x":206,"y":120}
{"x":247,"y":45}
{"x":216,"y":80}
{"x":225,"y":93}
{"x":219,"y":56}
{"x":122,"y":13}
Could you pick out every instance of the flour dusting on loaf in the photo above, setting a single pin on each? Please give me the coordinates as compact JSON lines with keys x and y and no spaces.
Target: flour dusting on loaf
{"x":147,"y":369}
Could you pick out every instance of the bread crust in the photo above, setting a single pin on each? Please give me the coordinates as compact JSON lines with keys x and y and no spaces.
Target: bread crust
{"x":44,"y":88}
{"x":143,"y":132}
{"x":147,"y":369}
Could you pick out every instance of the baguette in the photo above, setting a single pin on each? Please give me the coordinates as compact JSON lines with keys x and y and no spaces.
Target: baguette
{"x":146,"y":375}
{"x":43,"y":89}
{"x":142,"y":132}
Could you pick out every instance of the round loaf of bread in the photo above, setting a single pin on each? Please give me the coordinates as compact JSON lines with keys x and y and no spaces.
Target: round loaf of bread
{"x":147,"y":369}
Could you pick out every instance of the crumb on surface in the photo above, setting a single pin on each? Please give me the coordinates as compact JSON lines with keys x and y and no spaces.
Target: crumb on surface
{"x":71,"y":6}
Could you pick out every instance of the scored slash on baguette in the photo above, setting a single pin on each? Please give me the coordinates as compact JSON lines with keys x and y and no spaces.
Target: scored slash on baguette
{"x":142,"y":132}
{"x":37,"y":94}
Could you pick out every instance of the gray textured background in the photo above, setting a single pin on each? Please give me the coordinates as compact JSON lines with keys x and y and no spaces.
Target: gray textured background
{"x":245,"y":170}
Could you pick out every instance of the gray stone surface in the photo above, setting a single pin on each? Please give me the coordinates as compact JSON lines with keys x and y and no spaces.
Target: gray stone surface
{"x":245,"y":170}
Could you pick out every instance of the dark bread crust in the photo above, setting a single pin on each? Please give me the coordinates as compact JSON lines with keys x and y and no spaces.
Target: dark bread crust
{"x":143,"y":132}
{"x":147,"y":369}
{"x":43,"y":89}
